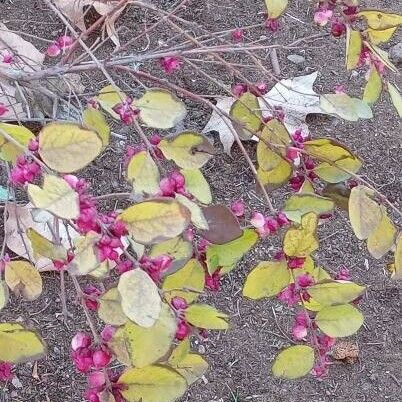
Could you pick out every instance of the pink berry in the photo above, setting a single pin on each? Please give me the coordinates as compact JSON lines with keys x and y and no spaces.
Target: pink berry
{"x":183,"y":330}
{"x":238,"y":35}
{"x":304,"y":280}
{"x":178,"y":179}
{"x":338,"y":28}
{"x":80,"y":340}
{"x":170,"y":64}
{"x":282,"y":219}
{"x":53,"y":50}
{"x":65,"y":41}
{"x":272,"y":24}
{"x":101,"y":358}
{"x":96,"y":379}
{"x":299,"y":332}
{"x":239,"y":89}
{"x":257,"y":220}
{"x":167,"y":186}
{"x":237,"y":207}
{"x":6,"y":373}
{"x":3,"y":109}
{"x":107,"y":333}
{"x":155,"y":139}
{"x":179,"y":303}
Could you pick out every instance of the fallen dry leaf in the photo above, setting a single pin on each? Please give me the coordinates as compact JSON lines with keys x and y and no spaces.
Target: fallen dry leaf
{"x":295,"y":95}
{"x":346,"y":351}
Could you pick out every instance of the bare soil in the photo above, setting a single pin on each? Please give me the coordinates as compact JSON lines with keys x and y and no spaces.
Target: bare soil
{"x":240,"y":359}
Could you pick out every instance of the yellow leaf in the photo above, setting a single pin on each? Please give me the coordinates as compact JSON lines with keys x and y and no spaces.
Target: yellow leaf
{"x":294,"y":362}
{"x":188,"y":150}
{"x":247,"y":113}
{"x":23,"y":279}
{"x":196,"y":185}
{"x":307,"y":187}
{"x":156,"y":220}
{"x":373,"y":88}
{"x":339,"y":321}
{"x":266,"y":280}
{"x":19,"y":345}
{"x":177,"y":248}
{"x":187,"y":282}
{"x":67,"y":147}
{"x":140,"y":298}
{"x":8,"y":150}
{"x":95,"y":120}
{"x":364,"y":213}
{"x":205,"y":316}
{"x":276,"y":7}
{"x":277,"y":176}
{"x":179,"y":352}
{"x":192,"y":367}
{"x":379,"y":20}
{"x":152,"y":384}
{"x":382,"y":55}
{"x":110,"y":310}
{"x":44,"y":247}
{"x":300,"y":204}
{"x":145,"y":346}
{"x":197,"y":216}
{"x":109,"y":97}
{"x":397,"y":274}
{"x":396,"y":98}
{"x":353,"y":48}
{"x":143,"y":174}
{"x":86,"y":255}
{"x":301,"y":242}
{"x":378,"y":37}
{"x":160,"y":109}
{"x":3,"y":294}
{"x":381,"y":240}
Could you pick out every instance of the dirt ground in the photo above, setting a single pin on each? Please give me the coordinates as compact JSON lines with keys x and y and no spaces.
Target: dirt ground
{"x":240,"y":359}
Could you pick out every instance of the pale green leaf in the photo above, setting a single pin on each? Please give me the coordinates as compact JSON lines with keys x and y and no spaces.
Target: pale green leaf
{"x":294,"y":362}
{"x":95,"y":120}
{"x":373,"y":88}
{"x":196,"y":185}
{"x":44,"y":247}
{"x":345,"y":107}
{"x":353,"y":48}
{"x":207,"y":317}
{"x":3,"y":294}
{"x":110,"y":310}
{"x":143,"y":174}
{"x":197,"y":216}
{"x":276,"y":7}
{"x":9,"y":151}
{"x":396,"y":98}
{"x":381,"y":240}
{"x":247,"y":113}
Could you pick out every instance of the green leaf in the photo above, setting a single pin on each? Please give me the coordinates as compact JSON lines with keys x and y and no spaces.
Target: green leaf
{"x":152,"y":384}
{"x":294,"y":362}
{"x":67,"y":147}
{"x":192,"y":367}
{"x":143,"y":174}
{"x":207,"y":317}
{"x":23,"y":279}
{"x":247,"y":113}
{"x":197,"y":185}
{"x":353,"y":48}
{"x":95,"y":120}
{"x":145,"y":346}
{"x":8,"y":151}
{"x":266,"y":280}
{"x":364,"y":213}
{"x":345,"y":107}
{"x":197,"y":216}
{"x":380,"y":20}
{"x":317,"y":273}
{"x":227,"y":255}
{"x":3,"y":294}
{"x":396,"y":98}
{"x":381,"y":240}
{"x":110,"y":310}
{"x":276,"y":7}
{"x":277,"y":176}
{"x":307,"y":187}
{"x":19,"y":345}
{"x":140,"y":298}
{"x":397,"y":274}
{"x":339,"y":321}
{"x":179,"y":352}
{"x":329,"y":292}
{"x":156,"y":220}
{"x":301,"y":241}
{"x":189,"y":150}
{"x":373,"y":88}
{"x":300,"y":204}
{"x":56,"y":196}
{"x":44,"y":247}
{"x":187,"y":282}
{"x":177,"y":248}
{"x":328,"y":150}
{"x":160,"y":109}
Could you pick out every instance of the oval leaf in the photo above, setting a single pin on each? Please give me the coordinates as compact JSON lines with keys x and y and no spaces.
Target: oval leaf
{"x":140,"y":298}
{"x":207,"y":317}
{"x":152,"y":384}
{"x":95,"y":120}
{"x":67,"y":147}
{"x":247,"y":113}
{"x":23,"y":279}
{"x":3,"y":294}
{"x":110,"y":310}
{"x":353,"y":48}
{"x":9,"y":151}
{"x":56,"y":196}
{"x":19,"y":345}
{"x":44,"y":247}
{"x":276,"y":7}
{"x":373,"y":88}
{"x":396,"y":98}
{"x":339,"y":321}
{"x":381,"y":240}
{"x":266,"y":280}
{"x":160,"y":109}
{"x":197,"y":216}
{"x":196,"y":185}
{"x":192,"y":367}
{"x":156,"y":220}
{"x":345,"y":107}
{"x":294,"y":362}
{"x":143,"y":174}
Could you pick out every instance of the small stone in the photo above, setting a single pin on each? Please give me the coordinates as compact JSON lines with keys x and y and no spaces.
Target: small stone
{"x":16,"y":382}
{"x":296,"y":58}
{"x":396,"y":53}
{"x":201,"y":349}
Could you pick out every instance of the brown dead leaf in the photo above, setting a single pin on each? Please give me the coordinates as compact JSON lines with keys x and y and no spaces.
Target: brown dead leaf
{"x":346,"y":351}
